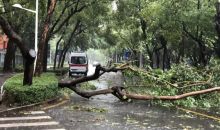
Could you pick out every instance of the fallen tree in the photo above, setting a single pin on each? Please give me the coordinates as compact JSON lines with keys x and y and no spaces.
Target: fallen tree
{"x":120,"y":91}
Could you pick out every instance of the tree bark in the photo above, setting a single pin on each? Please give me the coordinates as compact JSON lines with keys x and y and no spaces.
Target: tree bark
{"x":28,"y":55}
{"x":44,"y":37}
{"x":202,"y":56}
{"x":46,"y":49}
{"x":9,"y":56}
{"x":217,"y":28}
{"x":60,"y":59}
{"x":166,"y":62}
{"x":181,"y":50}
{"x":63,"y":58}
{"x":176,"y":97}
{"x":56,"y":51}
{"x":29,"y":67}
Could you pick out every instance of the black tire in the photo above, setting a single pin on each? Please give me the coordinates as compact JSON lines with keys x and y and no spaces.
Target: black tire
{"x":70,"y":74}
{"x":85,"y":74}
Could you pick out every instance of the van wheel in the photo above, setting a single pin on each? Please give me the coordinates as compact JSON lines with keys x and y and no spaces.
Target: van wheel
{"x":85,"y":74}
{"x":70,"y":74}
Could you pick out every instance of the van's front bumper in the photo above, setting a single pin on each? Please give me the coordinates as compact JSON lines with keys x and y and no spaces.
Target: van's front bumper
{"x":78,"y":71}
{"x":72,"y":72}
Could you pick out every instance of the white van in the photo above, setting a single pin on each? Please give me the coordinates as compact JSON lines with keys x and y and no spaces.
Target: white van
{"x":78,"y":63}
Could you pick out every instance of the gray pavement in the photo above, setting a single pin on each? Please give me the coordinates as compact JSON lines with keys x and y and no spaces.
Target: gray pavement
{"x":84,"y":114}
{"x":28,"y":120}
{"x":105,"y":112}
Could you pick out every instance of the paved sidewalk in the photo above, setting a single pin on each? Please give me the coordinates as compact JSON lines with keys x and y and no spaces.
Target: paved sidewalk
{"x":3,"y":78}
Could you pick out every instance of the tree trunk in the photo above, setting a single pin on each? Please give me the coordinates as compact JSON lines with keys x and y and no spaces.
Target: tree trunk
{"x":63,"y":58}
{"x":217,"y":27}
{"x":55,"y":57}
{"x":181,"y":53}
{"x":202,"y":55}
{"x":44,"y":37}
{"x":141,"y":64}
{"x":9,"y":56}
{"x":60,"y":58}
{"x":14,"y":59}
{"x":28,"y":55}
{"x":157,"y":58}
{"x":56,"y":51}
{"x":45,"y":57}
{"x":165,"y":64}
{"x":29,"y":67}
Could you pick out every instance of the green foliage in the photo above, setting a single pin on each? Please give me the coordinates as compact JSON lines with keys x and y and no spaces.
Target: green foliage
{"x":178,"y":80}
{"x":66,"y":92}
{"x":19,"y":68}
{"x":88,"y":86}
{"x":43,"y":88}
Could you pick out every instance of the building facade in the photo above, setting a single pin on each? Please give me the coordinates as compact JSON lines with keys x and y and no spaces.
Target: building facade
{"x":3,"y":47}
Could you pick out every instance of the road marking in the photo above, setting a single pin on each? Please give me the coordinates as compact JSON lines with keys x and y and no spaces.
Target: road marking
{"x":28,"y":124}
{"x":35,"y":112}
{"x":24,"y":118}
{"x":54,"y":129}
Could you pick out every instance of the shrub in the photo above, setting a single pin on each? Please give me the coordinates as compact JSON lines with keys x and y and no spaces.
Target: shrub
{"x":19,"y":68}
{"x":59,"y":71}
{"x":43,"y":88}
{"x":88,"y":86}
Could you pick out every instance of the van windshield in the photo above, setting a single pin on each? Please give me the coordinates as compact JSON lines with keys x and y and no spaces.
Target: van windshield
{"x":78,"y":60}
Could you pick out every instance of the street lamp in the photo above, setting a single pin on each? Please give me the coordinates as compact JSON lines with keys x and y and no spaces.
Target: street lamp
{"x":20,"y":7}
{"x":36,"y":25}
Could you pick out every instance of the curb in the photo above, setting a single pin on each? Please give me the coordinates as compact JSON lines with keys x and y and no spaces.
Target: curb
{"x":32,"y":105}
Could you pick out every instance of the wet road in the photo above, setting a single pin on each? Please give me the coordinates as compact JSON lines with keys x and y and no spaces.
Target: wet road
{"x":106,"y":112}
{"x":28,"y":120}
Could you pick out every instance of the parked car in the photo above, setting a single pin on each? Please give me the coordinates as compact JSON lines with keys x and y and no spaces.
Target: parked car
{"x":78,"y":63}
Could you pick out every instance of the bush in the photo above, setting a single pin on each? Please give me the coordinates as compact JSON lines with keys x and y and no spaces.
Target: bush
{"x":88,"y":86}
{"x":43,"y":88}
{"x":59,"y":71}
{"x":19,"y":68}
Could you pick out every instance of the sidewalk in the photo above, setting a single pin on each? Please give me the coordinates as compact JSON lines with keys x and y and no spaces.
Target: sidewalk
{"x":3,"y":78}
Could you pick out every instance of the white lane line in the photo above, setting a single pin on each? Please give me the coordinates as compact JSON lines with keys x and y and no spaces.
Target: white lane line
{"x":28,"y":124}
{"x":24,"y":118}
{"x":54,"y":129}
{"x":35,"y":112}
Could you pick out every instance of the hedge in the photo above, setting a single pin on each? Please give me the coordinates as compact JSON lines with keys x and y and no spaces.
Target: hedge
{"x":43,"y":88}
